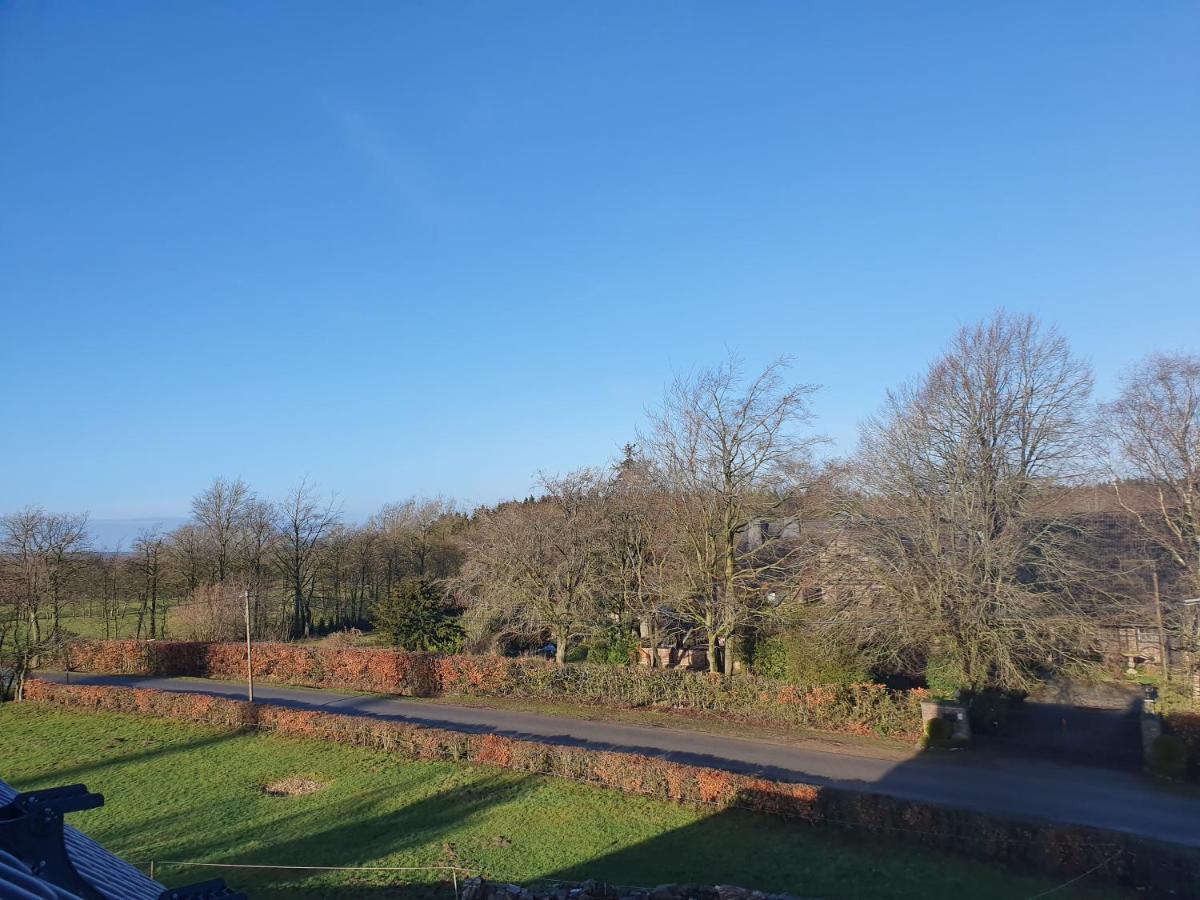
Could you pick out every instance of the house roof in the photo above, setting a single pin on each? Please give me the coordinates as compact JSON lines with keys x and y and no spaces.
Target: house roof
{"x":108,"y":875}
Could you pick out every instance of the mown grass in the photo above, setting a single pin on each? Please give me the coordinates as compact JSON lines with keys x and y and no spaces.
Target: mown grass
{"x":185,"y":792}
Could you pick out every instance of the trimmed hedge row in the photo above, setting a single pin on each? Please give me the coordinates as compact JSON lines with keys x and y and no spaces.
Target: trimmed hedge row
{"x":1160,"y":869}
{"x":307,"y":665}
{"x":1185,"y":724}
{"x":863,"y":709}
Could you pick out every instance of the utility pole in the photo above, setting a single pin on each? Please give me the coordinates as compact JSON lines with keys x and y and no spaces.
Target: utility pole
{"x":249,"y":652}
{"x":1162,"y":635}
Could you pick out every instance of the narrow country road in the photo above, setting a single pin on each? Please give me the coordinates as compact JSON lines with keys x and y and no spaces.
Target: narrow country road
{"x":1013,"y":787}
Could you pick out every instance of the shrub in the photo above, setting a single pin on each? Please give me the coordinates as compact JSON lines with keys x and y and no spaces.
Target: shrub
{"x":1185,"y":725}
{"x":616,"y":649}
{"x":945,"y":677}
{"x":345,"y":639}
{"x":804,"y":655}
{"x":770,"y":658}
{"x":414,"y":617}
{"x":1169,"y":756}
{"x":212,"y":612}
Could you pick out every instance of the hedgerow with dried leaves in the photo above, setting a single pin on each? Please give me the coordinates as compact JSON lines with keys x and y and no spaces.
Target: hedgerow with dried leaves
{"x":863,"y":709}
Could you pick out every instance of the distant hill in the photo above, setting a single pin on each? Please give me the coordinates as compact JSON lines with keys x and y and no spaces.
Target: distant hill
{"x":119,"y":534}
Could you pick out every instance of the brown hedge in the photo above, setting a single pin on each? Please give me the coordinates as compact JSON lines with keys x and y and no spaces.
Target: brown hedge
{"x":1160,"y":869}
{"x":308,"y":665}
{"x":863,"y":709}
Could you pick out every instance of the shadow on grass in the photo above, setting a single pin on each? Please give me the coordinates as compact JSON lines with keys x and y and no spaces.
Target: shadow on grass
{"x":757,"y":852}
{"x":86,"y":770}
{"x":355,"y":832}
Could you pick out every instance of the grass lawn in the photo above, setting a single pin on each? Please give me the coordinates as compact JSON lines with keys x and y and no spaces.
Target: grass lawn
{"x":186,"y":792}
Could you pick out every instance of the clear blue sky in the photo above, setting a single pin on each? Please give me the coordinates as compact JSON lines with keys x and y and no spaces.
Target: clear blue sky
{"x":435,"y":247}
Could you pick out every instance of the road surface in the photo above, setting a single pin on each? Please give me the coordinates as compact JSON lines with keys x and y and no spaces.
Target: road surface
{"x":1007,"y":786}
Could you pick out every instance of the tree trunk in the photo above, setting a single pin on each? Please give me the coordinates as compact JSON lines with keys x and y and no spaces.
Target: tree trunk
{"x":729,"y":654}
{"x":560,"y":648}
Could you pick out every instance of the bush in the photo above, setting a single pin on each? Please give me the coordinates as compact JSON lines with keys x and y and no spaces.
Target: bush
{"x":414,"y":616}
{"x":806,"y":656}
{"x":346,"y":639}
{"x":1185,"y":725}
{"x":616,"y":649}
{"x":770,"y":658}
{"x":1169,"y":757}
{"x":945,"y":677}
{"x":212,"y":612}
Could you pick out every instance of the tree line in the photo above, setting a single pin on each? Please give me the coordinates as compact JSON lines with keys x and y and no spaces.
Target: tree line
{"x":992,"y":521}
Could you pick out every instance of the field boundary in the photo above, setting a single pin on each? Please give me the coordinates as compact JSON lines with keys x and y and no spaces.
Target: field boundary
{"x":1162,"y":869}
{"x":863,"y":710}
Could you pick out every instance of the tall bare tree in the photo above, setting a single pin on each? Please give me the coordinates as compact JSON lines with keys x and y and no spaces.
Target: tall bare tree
{"x":734,"y":452}
{"x":956,"y":529}
{"x":220,"y":510}
{"x":258,"y":537}
{"x":150,"y":550}
{"x":1154,"y":427}
{"x":303,"y":523}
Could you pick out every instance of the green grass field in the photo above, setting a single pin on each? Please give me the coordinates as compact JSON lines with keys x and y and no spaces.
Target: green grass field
{"x":185,"y":792}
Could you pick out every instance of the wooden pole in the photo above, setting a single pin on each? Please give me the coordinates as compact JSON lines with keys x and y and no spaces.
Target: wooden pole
{"x":1162,"y":634}
{"x":249,"y":652}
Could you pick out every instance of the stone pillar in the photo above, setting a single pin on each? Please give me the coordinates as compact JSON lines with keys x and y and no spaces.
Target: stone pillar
{"x":953,"y":712}
{"x":1151,"y":726}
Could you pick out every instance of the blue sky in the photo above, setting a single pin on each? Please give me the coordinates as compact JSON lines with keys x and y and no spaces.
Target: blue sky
{"x":435,"y":247}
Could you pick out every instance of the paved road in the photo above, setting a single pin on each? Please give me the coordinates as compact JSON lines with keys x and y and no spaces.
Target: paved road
{"x":1017,"y":787}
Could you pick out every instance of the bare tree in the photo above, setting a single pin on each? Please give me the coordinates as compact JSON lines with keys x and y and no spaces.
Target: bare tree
{"x":733,"y":454}
{"x":1154,"y":427}
{"x":115,"y":577}
{"x":956,"y":531}
{"x":40,"y":557}
{"x":640,"y":536}
{"x":212,"y":612}
{"x":539,"y":565}
{"x":189,"y":556}
{"x":418,"y":540}
{"x":258,"y":537}
{"x":220,"y":511}
{"x":150,"y":548}
{"x":303,"y":523}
